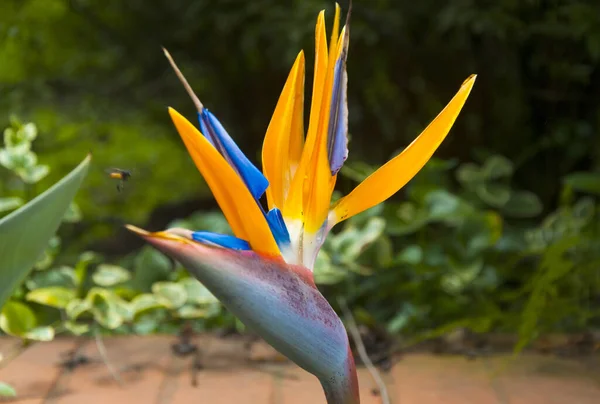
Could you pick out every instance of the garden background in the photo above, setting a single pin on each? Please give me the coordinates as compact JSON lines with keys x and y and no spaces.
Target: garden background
{"x":500,"y":233}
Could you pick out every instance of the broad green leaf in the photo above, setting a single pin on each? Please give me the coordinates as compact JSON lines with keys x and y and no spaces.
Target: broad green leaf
{"x":110,"y":275}
{"x":17,"y":319}
{"x":7,"y":390}
{"x":174,"y":294}
{"x":24,"y":233}
{"x":53,"y":296}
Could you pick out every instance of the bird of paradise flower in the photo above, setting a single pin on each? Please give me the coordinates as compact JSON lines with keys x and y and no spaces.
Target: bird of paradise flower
{"x":264,"y":274}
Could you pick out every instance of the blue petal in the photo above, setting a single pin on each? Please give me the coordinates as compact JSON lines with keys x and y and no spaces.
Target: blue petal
{"x":337,"y":139}
{"x":278,"y":227}
{"x":221,"y":240}
{"x":220,"y":139}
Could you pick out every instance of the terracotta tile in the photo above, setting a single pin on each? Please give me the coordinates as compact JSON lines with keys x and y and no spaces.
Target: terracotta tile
{"x":10,"y":348}
{"x":224,"y":377}
{"x":369,"y":391}
{"x":427,"y":379}
{"x":234,"y":386}
{"x":25,"y":401}
{"x":296,"y":386}
{"x":35,"y":370}
{"x":139,"y":361}
{"x":533,"y":379}
{"x":232,"y":374}
{"x":8,"y":343}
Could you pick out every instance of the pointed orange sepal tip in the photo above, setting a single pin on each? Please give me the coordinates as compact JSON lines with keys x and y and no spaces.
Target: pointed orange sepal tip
{"x":295,"y":203}
{"x":284,"y":139}
{"x":157,"y":235}
{"x":393,"y":175}
{"x":237,"y":203}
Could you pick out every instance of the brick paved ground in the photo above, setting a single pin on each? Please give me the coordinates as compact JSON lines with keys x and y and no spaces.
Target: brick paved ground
{"x":149,"y":373}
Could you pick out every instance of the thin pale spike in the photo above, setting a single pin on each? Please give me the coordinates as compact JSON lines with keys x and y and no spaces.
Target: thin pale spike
{"x":185,"y":83}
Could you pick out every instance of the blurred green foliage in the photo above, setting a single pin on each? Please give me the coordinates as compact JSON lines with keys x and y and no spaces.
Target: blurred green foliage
{"x":502,"y":237}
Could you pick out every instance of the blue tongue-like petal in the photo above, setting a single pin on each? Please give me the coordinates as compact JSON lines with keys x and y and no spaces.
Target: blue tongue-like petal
{"x":221,"y":240}
{"x":278,"y":227}
{"x":210,"y":126}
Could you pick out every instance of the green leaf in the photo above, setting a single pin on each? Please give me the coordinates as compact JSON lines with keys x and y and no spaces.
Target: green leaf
{"x":110,"y":275}
{"x":461,"y":276}
{"x":352,"y":241}
{"x":197,"y":293}
{"x":496,"y":195}
{"x":150,"y":266}
{"x":468,"y":175}
{"x":412,"y":255}
{"x":34,"y":174}
{"x":62,"y":276}
{"x":77,"y":307}
{"x":190,"y":311}
{"x":588,"y":182}
{"x":75,"y":328}
{"x":10,"y":203}
{"x":325,"y":272}
{"x":173,"y":294}
{"x":145,"y":302}
{"x":73,"y":214}
{"x":49,"y":254}
{"x":17,"y":319}
{"x":24,"y":233}
{"x":523,"y":204}
{"x":85,"y":259}
{"x":53,"y":296}
{"x":7,"y":390}
{"x":357,"y":170}
{"x":146,"y":324}
{"x":442,"y":204}
{"x":497,"y":167}
{"x":43,"y":334}
{"x":108,"y":309}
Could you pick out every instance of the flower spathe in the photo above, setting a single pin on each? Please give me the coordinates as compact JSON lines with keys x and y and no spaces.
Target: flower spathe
{"x":273,"y":250}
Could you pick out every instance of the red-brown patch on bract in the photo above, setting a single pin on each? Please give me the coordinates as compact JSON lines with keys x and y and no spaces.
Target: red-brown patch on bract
{"x":295,"y":282}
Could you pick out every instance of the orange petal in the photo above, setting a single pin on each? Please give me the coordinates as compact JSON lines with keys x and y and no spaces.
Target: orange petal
{"x":239,"y":207}
{"x":293,"y":207}
{"x":283,"y":143}
{"x":392,"y":176}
